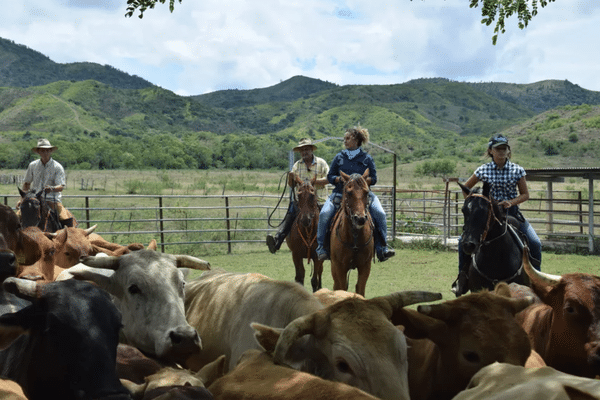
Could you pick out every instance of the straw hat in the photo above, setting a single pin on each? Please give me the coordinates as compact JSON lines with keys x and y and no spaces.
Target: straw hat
{"x":43,"y":144}
{"x":304,"y":143}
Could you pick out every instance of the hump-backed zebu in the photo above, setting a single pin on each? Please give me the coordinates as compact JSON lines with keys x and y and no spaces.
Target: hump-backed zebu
{"x":450,"y":341}
{"x":352,"y":341}
{"x":564,"y":325}
{"x":63,"y":344}
{"x":148,"y":288}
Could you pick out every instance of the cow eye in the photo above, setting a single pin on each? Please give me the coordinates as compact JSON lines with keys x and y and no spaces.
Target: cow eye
{"x":134,"y":289}
{"x":471,"y":356}
{"x":343,"y":367}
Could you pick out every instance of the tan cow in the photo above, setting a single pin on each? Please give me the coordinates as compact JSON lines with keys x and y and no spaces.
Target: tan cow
{"x":352,"y":341}
{"x":500,"y":381}
{"x":257,"y":377}
{"x":564,"y":326}
{"x":449,"y":342}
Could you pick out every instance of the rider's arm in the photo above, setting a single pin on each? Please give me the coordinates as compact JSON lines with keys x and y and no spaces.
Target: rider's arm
{"x":472,"y":181}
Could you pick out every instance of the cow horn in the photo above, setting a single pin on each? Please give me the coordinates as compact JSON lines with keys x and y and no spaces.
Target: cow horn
{"x":22,"y":288}
{"x":315,"y":323}
{"x":110,"y":262}
{"x":399,"y":300}
{"x":185,"y":261}
{"x":90,"y":229}
{"x":533,"y":273}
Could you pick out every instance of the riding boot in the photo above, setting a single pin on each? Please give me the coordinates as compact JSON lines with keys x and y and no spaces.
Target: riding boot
{"x":274,"y":242}
{"x":382,"y":250}
{"x":461,"y":285}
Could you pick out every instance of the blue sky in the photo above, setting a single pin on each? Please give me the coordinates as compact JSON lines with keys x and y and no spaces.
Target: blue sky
{"x":208,"y":45}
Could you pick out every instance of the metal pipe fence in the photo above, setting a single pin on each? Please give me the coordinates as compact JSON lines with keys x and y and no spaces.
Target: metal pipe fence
{"x":184,"y":222}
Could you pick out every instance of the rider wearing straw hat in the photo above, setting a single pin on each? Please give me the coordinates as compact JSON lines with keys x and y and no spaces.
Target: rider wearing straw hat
{"x":308,"y":167}
{"x":48,"y":175}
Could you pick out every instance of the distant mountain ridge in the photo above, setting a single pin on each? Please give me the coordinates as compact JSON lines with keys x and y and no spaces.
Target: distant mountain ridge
{"x":23,"y":67}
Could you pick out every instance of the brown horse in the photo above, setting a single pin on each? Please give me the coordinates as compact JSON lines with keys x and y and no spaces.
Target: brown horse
{"x":302,"y":239}
{"x":36,"y":212}
{"x":352,"y":243}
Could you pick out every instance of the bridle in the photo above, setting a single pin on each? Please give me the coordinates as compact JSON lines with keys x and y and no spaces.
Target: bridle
{"x":482,"y":242}
{"x":309,"y":234}
{"x":355,"y":230}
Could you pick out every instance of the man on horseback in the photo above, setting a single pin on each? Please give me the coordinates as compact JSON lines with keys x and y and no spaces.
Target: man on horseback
{"x":308,"y":167}
{"x":48,"y":175}
{"x":504,"y":177}
{"x":353,"y":160}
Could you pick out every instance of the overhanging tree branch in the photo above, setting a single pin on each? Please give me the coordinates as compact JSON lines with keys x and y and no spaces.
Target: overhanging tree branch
{"x":143,"y":5}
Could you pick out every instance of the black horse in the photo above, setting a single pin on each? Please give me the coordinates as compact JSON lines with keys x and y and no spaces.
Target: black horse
{"x":493,"y":241}
{"x":36,"y":212}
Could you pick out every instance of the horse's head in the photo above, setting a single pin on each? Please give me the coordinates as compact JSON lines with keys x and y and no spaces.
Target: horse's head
{"x":356,"y":197}
{"x":480,"y":212}
{"x":30,"y":208}
{"x":308,"y":208}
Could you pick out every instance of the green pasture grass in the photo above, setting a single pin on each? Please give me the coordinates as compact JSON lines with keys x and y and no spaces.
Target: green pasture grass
{"x":430,"y":267}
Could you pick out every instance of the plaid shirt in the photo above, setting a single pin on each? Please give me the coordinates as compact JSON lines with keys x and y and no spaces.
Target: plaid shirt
{"x":319,"y":167}
{"x":503,"y":181}
{"x":40,"y":176}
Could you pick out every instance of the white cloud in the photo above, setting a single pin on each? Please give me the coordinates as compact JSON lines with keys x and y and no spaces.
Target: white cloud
{"x":211,"y":45}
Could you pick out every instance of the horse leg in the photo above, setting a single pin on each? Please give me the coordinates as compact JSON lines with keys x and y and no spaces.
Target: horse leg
{"x":318,"y":271}
{"x":361,"y":282}
{"x":339,"y":277}
{"x":299,"y":265}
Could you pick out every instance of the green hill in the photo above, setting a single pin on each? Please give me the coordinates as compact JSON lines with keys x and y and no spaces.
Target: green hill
{"x":111,"y":125}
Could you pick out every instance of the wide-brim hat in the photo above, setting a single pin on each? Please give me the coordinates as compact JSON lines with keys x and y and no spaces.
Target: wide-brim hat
{"x":43,"y":144}
{"x":304,"y":143}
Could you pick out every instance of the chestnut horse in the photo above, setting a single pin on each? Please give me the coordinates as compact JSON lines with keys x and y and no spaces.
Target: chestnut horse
{"x":352,"y":243}
{"x":302,"y":239}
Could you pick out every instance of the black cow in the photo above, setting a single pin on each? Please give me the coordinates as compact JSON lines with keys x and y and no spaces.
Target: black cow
{"x":63,"y":345}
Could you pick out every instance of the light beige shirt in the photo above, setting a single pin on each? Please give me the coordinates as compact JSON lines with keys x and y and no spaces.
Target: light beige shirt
{"x":40,"y":176}
{"x":319,"y":167}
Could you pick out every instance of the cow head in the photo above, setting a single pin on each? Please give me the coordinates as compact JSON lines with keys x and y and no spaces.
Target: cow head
{"x":574,"y":341}
{"x":68,"y":336}
{"x":352,"y":341}
{"x":467,"y":334}
{"x":71,"y":245}
{"x":148,"y":288}
{"x":8,"y":260}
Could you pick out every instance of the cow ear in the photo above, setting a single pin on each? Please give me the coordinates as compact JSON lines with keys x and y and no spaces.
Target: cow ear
{"x":99,"y":276}
{"x":212,"y":371}
{"x":266,"y":336}
{"x":419,"y":326}
{"x":9,"y":333}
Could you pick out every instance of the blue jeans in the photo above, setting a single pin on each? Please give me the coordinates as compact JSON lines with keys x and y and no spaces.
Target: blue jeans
{"x":534,"y":242}
{"x":332,"y":204}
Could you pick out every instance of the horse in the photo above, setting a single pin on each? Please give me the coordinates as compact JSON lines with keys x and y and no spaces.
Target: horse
{"x":493,"y":241}
{"x":352,"y":243}
{"x":36,"y":212}
{"x":302,"y":239}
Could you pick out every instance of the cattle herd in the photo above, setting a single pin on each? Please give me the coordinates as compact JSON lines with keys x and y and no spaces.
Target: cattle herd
{"x":83,"y":318}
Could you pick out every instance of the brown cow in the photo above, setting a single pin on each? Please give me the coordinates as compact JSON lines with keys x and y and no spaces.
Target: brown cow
{"x":8,"y":260}
{"x":449,"y":342}
{"x":257,"y":377}
{"x":565,"y":327}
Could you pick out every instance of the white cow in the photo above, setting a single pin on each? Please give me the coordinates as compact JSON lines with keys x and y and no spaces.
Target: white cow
{"x":352,"y":341}
{"x":148,"y":288}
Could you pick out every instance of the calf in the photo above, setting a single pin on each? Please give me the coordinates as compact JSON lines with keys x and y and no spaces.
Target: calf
{"x":564,"y":325}
{"x":63,"y":345}
{"x":449,"y":342}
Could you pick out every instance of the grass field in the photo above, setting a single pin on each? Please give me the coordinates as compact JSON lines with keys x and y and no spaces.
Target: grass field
{"x":412,"y":268}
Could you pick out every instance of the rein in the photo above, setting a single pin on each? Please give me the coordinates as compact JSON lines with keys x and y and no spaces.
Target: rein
{"x":483,"y":242}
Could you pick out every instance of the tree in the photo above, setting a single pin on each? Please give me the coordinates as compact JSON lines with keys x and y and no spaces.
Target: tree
{"x":143,"y":5}
{"x":502,"y":9}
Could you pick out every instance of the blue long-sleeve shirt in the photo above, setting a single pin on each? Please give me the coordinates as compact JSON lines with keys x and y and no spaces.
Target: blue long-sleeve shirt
{"x":356,"y":165}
